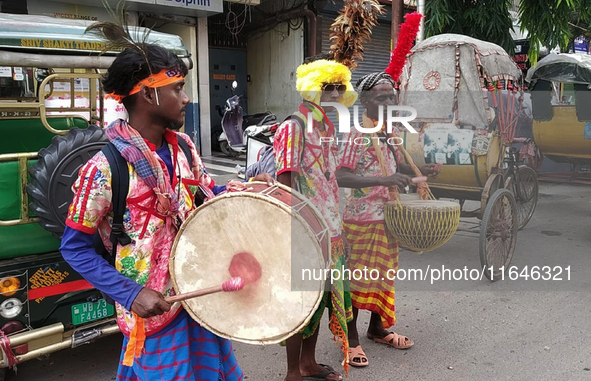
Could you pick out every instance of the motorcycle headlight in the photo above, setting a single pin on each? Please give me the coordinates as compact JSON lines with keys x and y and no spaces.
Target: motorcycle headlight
{"x":10,"y":308}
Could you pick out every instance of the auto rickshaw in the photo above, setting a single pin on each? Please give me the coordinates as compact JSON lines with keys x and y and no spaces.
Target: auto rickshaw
{"x":52,"y":110}
{"x":468,"y":97}
{"x":561,"y":95}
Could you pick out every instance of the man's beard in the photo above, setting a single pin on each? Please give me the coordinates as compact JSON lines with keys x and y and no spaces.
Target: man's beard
{"x":174,"y":125}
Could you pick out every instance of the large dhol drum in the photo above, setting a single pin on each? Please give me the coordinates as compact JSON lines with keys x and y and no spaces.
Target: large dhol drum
{"x":421,"y":225}
{"x":283,"y":232}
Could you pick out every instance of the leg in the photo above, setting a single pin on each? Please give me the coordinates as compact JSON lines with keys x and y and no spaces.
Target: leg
{"x":352,"y":328}
{"x":376,"y":328}
{"x":293,"y":348}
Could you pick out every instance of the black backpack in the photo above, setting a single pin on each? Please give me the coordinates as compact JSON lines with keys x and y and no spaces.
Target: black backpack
{"x":120,"y":187}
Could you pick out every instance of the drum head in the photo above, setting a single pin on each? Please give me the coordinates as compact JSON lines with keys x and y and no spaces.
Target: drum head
{"x":266,"y":312}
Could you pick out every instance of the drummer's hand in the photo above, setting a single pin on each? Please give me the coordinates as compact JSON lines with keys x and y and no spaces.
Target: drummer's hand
{"x":396,"y":179}
{"x":429,"y":170}
{"x":347,"y":248}
{"x":149,"y":303}
{"x":265,"y":178}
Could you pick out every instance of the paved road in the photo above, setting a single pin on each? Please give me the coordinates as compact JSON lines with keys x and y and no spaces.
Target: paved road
{"x":474,"y":330}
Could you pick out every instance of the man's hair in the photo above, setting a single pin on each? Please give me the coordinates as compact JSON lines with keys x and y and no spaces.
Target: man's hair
{"x":130,"y":67}
{"x":369,"y":81}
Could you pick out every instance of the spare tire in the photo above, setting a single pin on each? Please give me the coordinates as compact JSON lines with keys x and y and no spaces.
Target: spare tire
{"x":52,"y":177}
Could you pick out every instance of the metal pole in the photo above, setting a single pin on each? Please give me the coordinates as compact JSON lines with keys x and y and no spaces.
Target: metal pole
{"x":421,"y":10}
{"x":397,"y":11}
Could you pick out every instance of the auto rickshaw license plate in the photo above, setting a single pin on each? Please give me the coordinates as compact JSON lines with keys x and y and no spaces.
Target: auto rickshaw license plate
{"x":87,"y":312}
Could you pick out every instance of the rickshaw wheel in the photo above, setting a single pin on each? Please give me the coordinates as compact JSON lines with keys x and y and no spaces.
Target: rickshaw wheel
{"x":526,"y":194}
{"x":498,"y":234}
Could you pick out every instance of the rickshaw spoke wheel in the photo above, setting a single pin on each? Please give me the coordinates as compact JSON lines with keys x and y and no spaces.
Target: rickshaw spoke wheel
{"x":498,"y":233}
{"x":525,"y":190}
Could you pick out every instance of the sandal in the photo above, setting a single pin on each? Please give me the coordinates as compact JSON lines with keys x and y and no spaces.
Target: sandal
{"x":322,"y":375}
{"x":357,"y":357}
{"x":394,"y":340}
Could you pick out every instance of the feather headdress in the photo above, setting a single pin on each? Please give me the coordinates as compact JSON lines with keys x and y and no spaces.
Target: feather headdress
{"x":351,"y":29}
{"x":118,"y":35}
{"x":406,"y":36}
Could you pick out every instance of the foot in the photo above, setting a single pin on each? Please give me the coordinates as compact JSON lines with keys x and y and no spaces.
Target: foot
{"x":293,"y":377}
{"x":392,"y":339}
{"x":319,"y":372}
{"x":357,"y":357}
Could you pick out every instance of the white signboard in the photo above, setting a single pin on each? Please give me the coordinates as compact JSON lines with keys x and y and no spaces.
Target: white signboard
{"x":5,"y":71}
{"x":198,"y":5}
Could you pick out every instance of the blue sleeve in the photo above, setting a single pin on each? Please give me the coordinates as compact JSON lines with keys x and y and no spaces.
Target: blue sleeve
{"x":77,"y":248}
{"x":217,"y":189}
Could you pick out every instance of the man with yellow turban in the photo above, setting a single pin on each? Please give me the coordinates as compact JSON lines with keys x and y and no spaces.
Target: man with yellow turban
{"x":306,"y":158}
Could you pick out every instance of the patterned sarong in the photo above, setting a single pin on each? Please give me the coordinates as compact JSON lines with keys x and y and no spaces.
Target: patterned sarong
{"x":373,"y":248}
{"x":182,"y":351}
{"x":338,"y":302}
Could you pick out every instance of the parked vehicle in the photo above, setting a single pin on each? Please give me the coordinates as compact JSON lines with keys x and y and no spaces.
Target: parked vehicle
{"x":237,"y":128}
{"x":52,"y":111}
{"x":560,"y":91}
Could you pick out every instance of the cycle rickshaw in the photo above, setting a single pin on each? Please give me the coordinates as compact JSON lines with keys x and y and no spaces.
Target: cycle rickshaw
{"x":468,"y":95}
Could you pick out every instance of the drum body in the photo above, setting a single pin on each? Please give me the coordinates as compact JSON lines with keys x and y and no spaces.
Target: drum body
{"x":422,"y":225}
{"x":283,"y":232}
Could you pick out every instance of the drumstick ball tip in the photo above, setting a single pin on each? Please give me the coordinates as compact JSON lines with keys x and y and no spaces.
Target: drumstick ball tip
{"x":233,"y":284}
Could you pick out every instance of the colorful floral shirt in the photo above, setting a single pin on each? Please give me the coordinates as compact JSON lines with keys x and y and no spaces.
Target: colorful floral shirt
{"x":365,"y":205}
{"x":152,"y":238}
{"x":315,"y":157}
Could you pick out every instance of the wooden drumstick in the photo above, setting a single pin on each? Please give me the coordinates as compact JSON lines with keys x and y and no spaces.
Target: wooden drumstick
{"x":419,"y":179}
{"x":437,"y":167}
{"x":232,"y":284}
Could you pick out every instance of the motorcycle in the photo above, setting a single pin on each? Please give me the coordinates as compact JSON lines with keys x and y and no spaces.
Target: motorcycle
{"x":237,"y":128}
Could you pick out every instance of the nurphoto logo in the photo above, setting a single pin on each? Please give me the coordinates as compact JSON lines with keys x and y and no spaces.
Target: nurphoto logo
{"x":344,"y":122}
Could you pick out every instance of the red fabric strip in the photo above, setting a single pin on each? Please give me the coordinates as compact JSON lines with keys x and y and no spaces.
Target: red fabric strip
{"x":59,"y":289}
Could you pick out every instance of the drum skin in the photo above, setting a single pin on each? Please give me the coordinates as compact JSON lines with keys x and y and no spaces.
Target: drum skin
{"x":262,"y":223}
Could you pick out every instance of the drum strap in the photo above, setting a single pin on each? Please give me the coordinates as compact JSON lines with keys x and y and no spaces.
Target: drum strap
{"x":298,"y":117}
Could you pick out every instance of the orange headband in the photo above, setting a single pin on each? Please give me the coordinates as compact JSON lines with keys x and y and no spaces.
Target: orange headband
{"x":165,"y":77}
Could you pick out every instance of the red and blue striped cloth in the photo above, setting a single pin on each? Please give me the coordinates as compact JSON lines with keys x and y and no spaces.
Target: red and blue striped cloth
{"x":183,"y":351}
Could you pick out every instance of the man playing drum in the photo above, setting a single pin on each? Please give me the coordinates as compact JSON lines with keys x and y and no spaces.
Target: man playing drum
{"x":307,"y":161}
{"x":362,"y":158}
{"x":161,"y":341}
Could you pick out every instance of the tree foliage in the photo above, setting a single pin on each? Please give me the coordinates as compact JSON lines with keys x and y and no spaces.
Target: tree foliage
{"x":549,"y":23}
{"x":487,"y":20}
{"x":553,"y":23}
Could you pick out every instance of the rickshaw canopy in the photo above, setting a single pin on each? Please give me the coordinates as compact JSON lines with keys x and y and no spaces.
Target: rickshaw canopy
{"x":446,"y":77}
{"x":23,"y":35}
{"x":563,"y":67}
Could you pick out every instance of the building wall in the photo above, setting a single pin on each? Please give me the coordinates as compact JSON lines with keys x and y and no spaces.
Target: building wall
{"x":272,"y":60}
{"x":189,"y":36}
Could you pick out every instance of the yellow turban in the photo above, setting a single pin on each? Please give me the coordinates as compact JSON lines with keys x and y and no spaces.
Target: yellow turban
{"x":311,"y":77}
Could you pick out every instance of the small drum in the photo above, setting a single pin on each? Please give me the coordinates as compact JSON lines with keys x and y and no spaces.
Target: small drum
{"x":422,"y":225}
{"x":285,"y":233}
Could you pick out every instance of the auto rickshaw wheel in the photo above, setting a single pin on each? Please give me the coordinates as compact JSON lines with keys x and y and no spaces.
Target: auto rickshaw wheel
{"x":52,"y":177}
{"x":498,"y":234}
{"x":525,"y":191}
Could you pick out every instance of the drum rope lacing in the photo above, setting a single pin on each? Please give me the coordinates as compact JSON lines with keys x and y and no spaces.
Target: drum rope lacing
{"x":297,"y":207}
